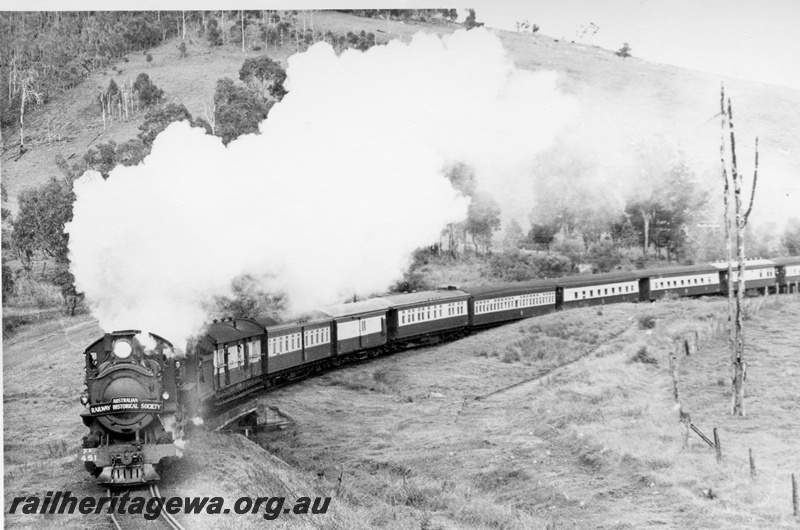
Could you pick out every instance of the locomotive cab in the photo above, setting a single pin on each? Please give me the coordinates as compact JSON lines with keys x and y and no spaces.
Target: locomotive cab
{"x":131,"y":406}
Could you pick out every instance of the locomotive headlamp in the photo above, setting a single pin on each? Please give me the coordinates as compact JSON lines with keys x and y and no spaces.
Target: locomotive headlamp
{"x":123,"y":349}
{"x":165,"y":395}
{"x":84,"y":400}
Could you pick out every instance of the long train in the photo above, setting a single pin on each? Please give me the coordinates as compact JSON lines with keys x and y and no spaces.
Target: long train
{"x":139,"y":395}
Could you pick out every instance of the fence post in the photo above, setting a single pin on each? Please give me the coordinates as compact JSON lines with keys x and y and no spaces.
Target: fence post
{"x":717,"y":446}
{"x":794,"y":495}
{"x":673,"y":364}
{"x":686,"y":421}
{"x":752,"y":466}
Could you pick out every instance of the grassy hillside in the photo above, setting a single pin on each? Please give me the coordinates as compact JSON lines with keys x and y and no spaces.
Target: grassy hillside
{"x":625,"y":102}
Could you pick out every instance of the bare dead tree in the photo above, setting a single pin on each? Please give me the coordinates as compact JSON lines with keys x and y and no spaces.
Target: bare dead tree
{"x":741,"y":216}
{"x":241,"y":13}
{"x":30,"y":95}
{"x":728,"y":240}
{"x":211,"y":116}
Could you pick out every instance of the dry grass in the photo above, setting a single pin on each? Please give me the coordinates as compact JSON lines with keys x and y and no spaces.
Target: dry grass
{"x":594,"y":444}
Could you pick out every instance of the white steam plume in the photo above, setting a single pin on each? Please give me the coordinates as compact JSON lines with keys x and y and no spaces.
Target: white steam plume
{"x":343,"y":183}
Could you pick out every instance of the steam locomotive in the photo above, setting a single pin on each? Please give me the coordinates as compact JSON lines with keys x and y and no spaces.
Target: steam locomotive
{"x":139,"y":395}
{"x":132,"y":407}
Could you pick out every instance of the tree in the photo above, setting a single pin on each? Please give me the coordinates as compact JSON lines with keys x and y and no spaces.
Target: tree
{"x":791,"y":236}
{"x":483,"y":219}
{"x":238,"y":110}
{"x":213,"y":33}
{"x":624,"y":233}
{"x":732,"y":177}
{"x":248,"y":299}
{"x":462,"y":178}
{"x":149,"y":94}
{"x":264,"y":75}
{"x":184,"y":16}
{"x":64,"y":279}
{"x":572,"y":249}
{"x":542,"y":235}
{"x":514,"y":235}
{"x":604,"y":256}
{"x":158,"y":119}
{"x":30,"y":95}
{"x":39,"y":226}
{"x":471,"y":22}
{"x":624,"y":52}
{"x":102,"y":158}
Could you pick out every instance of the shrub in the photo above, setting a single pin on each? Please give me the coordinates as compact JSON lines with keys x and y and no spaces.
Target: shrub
{"x":512,"y":265}
{"x":511,"y":355}
{"x":8,"y":281}
{"x":552,"y":265}
{"x":572,"y":249}
{"x":647,"y":322}
{"x":36,"y":294}
{"x":624,"y":52}
{"x":643,"y":357}
{"x":604,"y":256}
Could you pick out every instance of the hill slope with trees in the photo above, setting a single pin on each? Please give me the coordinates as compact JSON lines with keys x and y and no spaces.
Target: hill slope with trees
{"x":92,"y":90}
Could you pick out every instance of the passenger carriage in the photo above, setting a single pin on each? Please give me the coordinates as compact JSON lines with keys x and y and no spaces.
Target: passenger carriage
{"x":597,"y":289}
{"x":291,"y":345}
{"x":229,"y":359}
{"x":489,"y":305}
{"x":788,"y":274}
{"x":759,"y":274}
{"x":358,"y":325}
{"x":426,"y":314}
{"x":691,"y":280}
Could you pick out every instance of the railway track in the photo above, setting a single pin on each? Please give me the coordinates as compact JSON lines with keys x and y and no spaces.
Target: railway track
{"x":165,"y":517}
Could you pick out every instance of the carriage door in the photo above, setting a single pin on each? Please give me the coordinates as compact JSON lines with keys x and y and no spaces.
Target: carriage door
{"x":644,"y":289}
{"x":225,"y":360}
{"x":362,"y":330}
{"x":216,"y":367}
